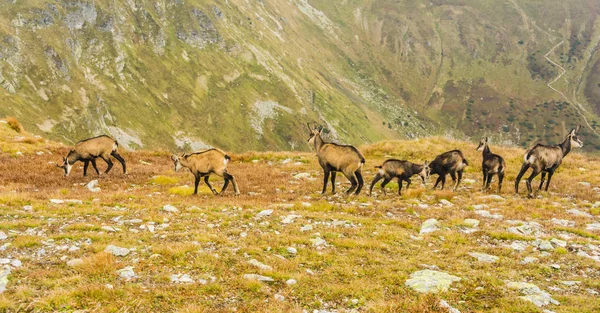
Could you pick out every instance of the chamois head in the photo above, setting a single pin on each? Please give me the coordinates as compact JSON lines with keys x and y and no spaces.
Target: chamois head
{"x":313,"y":133}
{"x":575,"y":142}
{"x":482,"y":144}
{"x":425,"y":172}
{"x":66,"y":166}
{"x":177,"y":161}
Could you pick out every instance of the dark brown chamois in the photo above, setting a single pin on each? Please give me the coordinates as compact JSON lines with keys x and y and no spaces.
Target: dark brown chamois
{"x":451,"y":162}
{"x":403,"y":170}
{"x":491,"y":165}
{"x":204,"y":163}
{"x":335,"y":158}
{"x":87,"y":151}
{"x":546,"y":159}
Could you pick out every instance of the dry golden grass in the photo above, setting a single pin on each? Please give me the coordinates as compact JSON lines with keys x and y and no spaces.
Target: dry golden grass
{"x":369,"y":253}
{"x":14,"y":124}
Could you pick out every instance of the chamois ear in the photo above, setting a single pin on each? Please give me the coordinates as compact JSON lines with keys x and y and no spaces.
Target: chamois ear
{"x":174,"y":158}
{"x":577,"y":129}
{"x":486,"y":139}
{"x":426,"y":163}
{"x":309,"y":128}
{"x":320,"y":129}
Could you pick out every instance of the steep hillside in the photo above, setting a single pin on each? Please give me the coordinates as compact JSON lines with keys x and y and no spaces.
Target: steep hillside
{"x":248,"y":75}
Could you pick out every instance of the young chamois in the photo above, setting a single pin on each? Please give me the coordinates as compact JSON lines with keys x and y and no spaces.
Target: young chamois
{"x":546,"y":159}
{"x":451,"y":162}
{"x":491,"y":165}
{"x":87,"y":151}
{"x":403,"y":170}
{"x":204,"y":163}
{"x":335,"y":158}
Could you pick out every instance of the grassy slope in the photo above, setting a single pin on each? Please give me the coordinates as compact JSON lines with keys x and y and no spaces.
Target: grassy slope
{"x":368,"y":256}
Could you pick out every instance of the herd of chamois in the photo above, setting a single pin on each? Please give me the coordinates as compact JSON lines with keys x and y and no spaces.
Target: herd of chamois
{"x":348,"y":160}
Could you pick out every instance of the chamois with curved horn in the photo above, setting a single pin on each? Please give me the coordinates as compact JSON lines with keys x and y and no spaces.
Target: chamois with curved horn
{"x":546,"y":159}
{"x":451,"y":162}
{"x":335,"y":158}
{"x":491,"y":165}
{"x":403,"y":170}
{"x":204,"y":163}
{"x":87,"y":151}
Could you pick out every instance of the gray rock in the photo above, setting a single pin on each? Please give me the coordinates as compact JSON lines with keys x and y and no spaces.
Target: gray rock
{"x":446,"y":203}
{"x":579,"y":213}
{"x":482,"y":257}
{"x":264,"y":213}
{"x":429,"y":226}
{"x":127,"y":273}
{"x":181,"y":279}
{"x":558,"y":243}
{"x":279,"y":297}
{"x":74,"y":262}
{"x":290,"y":282}
{"x":448,"y":307}
{"x":487,"y":214}
{"x":306,"y":228}
{"x":4,"y":278}
{"x":3,"y":235}
{"x":428,"y":281}
{"x":528,"y":228}
{"x":260,"y":265}
{"x":594,"y":226}
{"x":292,"y":250}
{"x":532,"y":293}
{"x":169,"y":208}
{"x":528,"y":260}
{"x":565,"y":223}
{"x":570,"y":283}
{"x":519,"y":245}
{"x":543,"y":245}
{"x":471,"y":222}
{"x":258,"y":277}
{"x":116,"y":251}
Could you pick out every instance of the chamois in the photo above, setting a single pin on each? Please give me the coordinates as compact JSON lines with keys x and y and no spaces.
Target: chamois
{"x":491,"y":165}
{"x":451,"y":162}
{"x":335,"y":158}
{"x":546,"y":159}
{"x":87,"y":151}
{"x":403,"y":170}
{"x":204,"y":163}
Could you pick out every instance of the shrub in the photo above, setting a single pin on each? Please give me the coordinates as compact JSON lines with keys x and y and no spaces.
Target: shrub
{"x":14,"y":124}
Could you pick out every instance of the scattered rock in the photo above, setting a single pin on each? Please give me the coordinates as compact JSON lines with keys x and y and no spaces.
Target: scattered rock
{"x":429,"y":226}
{"x":292,"y":250}
{"x":302,"y":176}
{"x":260,"y":265}
{"x":169,"y":208}
{"x":487,"y":214}
{"x":493,"y":197}
{"x":181,"y":279}
{"x":74,"y":262}
{"x":570,"y":283}
{"x":519,"y":245}
{"x":16,"y":263}
{"x":318,"y":242}
{"x":528,"y":228}
{"x":290,"y":219}
{"x":290,"y":282}
{"x":471,"y":222}
{"x":258,"y":277}
{"x":555,"y":266}
{"x":116,"y":251}
{"x":482,"y":257}
{"x":594,"y":226}
{"x":264,"y":213}
{"x":3,"y":235}
{"x":446,"y":203}
{"x":428,"y":281}
{"x":532,"y":293}
{"x":306,"y":228}
{"x":558,"y":243}
{"x":109,"y":229}
{"x":565,"y":223}
{"x":127,"y":273}
{"x":579,"y":213}
{"x":543,"y":245}
{"x":28,"y":208}
{"x":279,"y":297}
{"x":448,"y":307}
{"x":92,"y":186}
{"x":529,"y":259}
{"x":4,"y":278}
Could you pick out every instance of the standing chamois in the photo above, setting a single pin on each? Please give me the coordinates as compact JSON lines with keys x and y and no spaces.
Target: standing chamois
{"x":403,"y":170}
{"x":87,"y":151}
{"x":491,"y":165}
{"x":204,"y":163}
{"x":546,"y":159}
{"x":451,"y":162}
{"x":335,"y":158}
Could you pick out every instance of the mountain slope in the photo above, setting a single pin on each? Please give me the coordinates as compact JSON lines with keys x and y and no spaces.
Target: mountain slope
{"x":248,"y":75}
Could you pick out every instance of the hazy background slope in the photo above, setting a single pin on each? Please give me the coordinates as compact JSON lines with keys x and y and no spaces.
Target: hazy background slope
{"x":248,"y":75}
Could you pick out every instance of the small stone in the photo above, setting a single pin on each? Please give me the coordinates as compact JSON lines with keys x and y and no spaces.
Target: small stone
{"x":290,"y":219}
{"x":109,"y":286}
{"x":306,"y":228}
{"x":109,"y":229}
{"x":429,"y":281}
{"x":169,"y":208}
{"x":354,"y":301}
{"x":279,"y":297}
{"x":264,"y":213}
{"x":532,"y":293}
{"x":181,"y":279}
{"x":74,"y":262}
{"x":92,"y":186}
{"x":290,"y":282}
{"x":126,"y":273}
{"x":243,"y":234}
{"x":4,"y":278}
{"x":543,"y":245}
{"x":570,"y":283}
{"x":579,"y":213}
{"x":318,"y":242}
{"x":519,"y":245}
{"x":28,"y":208}
{"x":528,"y":260}
{"x":3,"y":235}
{"x":292,"y":250}
{"x":594,"y":227}
{"x":482,"y":257}
{"x":429,"y":226}
{"x":558,"y":243}
{"x":471,"y":222}
{"x":258,"y":277}
{"x":57,"y":201}
{"x":448,"y":307}
{"x":116,"y":251}
{"x":487,"y":214}
{"x":16,"y":263}
{"x":302,"y":176}
{"x":446,"y":203}
{"x":260,"y":265}
{"x":555,"y":266}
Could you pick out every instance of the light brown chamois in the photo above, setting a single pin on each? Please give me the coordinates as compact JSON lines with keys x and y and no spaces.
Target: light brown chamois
{"x":491,"y":165}
{"x":335,"y":158}
{"x":403,"y":170}
{"x":451,"y":162}
{"x":204,"y":163}
{"x":546,"y":159}
{"x":87,"y":151}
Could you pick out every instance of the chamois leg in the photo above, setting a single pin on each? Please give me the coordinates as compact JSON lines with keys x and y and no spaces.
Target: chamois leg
{"x":489,"y":181}
{"x":454,"y":180}
{"x":120,"y":159}
{"x":385,"y":182}
{"x":377,"y":178}
{"x":196,"y":183}
{"x":535,"y":173}
{"x":108,"y":161}
{"x":95,"y":167}
{"x":542,"y":181}
{"x":228,"y":177}
{"x":524,"y":169}
{"x":500,"y":179}
{"x":437,"y":181}
{"x":209,"y":186}
{"x":550,"y":173}
{"x":333,"y":173}
{"x":85,"y":166}
{"x":484,"y":179}
{"x":361,"y":181}
{"x":443,"y":182}
{"x":408,"y":181}
{"x":352,"y":178}
{"x":460,"y":173}
{"x":325,"y":180}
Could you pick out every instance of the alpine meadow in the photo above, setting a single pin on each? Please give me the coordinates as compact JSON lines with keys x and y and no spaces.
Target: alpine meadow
{"x":318,"y":156}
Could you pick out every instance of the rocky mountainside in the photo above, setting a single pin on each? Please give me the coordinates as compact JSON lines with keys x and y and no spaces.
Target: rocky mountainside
{"x":248,"y":74}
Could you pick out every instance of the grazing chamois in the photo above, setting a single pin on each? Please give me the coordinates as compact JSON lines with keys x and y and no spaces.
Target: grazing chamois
{"x":451,"y":162}
{"x":546,"y":159}
{"x":403,"y":170}
{"x":335,"y":158}
{"x":87,"y":151}
{"x":491,"y":165}
{"x":204,"y":163}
